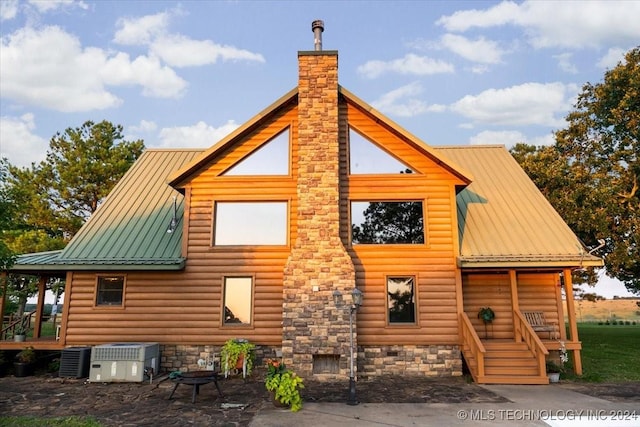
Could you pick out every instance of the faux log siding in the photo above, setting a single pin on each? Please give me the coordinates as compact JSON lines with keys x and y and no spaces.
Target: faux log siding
{"x":433,"y":264}
{"x":489,"y":290}
{"x":537,"y":292}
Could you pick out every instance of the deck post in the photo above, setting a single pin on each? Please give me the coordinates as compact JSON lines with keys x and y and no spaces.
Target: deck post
{"x":515,"y":306}
{"x":571,"y":314}
{"x":37,"y":328}
{"x":3,"y":288}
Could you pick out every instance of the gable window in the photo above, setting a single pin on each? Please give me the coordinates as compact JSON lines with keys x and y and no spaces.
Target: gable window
{"x":250,"y":223}
{"x":387,"y":222}
{"x":365,"y":157}
{"x":238,"y":293}
{"x":401,"y":299}
{"x":110,"y":291}
{"x":271,"y":158}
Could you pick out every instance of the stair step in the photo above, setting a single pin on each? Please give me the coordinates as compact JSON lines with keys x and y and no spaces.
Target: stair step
{"x":512,"y":379}
{"x":508,"y":354}
{"x":511,"y":361}
{"x":504,"y":345}
{"x":511,"y":370}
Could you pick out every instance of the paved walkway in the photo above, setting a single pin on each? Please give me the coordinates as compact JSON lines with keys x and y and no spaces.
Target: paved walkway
{"x":550,"y":405}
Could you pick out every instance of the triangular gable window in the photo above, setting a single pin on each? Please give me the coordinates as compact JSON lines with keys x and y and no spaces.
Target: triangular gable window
{"x":365,"y":157}
{"x":272,"y":158}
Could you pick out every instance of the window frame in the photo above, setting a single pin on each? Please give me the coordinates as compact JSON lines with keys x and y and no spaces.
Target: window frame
{"x":352,"y":128}
{"x":416,"y":317}
{"x":99,"y":279}
{"x":425,"y":236}
{"x":223,"y":295}
{"x":214,"y":225}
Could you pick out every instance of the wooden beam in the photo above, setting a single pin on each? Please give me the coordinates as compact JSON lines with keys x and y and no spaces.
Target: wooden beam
{"x":513,"y":281}
{"x":37,"y":328}
{"x":573,"y":326}
{"x":561,"y":327}
{"x":3,"y":289}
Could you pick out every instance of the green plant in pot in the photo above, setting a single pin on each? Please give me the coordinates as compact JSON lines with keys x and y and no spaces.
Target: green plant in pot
{"x":235,"y":353}
{"x":24,"y":361}
{"x":284,"y":385}
{"x":553,"y":371}
{"x":486,"y":314}
{"x":20,"y":332}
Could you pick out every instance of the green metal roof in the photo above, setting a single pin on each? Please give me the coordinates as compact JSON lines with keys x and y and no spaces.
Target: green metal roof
{"x":129,"y":230}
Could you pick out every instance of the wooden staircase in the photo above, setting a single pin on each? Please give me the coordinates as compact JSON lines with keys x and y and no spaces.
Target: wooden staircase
{"x":509,"y":362}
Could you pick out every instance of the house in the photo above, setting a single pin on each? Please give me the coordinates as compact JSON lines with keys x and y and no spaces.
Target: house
{"x":321,"y":193}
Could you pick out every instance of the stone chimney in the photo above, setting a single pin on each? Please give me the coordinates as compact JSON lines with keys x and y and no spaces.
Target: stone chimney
{"x":315,"y":332}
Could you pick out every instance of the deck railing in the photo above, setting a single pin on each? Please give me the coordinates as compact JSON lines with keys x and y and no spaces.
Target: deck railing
{"x":10,"y":330}
{"x":471,"y":342}
{"x":525,"y":333}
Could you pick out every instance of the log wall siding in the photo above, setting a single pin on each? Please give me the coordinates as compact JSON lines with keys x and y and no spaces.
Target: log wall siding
{"x":433,"y":264}
{"x":536,"y":292}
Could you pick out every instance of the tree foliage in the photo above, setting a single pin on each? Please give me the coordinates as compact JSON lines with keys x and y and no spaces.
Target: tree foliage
{"x":44,"y":205}
{"x":391,"y":222}
{"x":592,"y":173}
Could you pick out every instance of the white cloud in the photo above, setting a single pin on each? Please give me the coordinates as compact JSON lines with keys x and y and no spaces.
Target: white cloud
{"x":18,"y":143}
{"x":480,"y":50}
{"x":557,"y":24}
{"x":526,"y":104}
{"x":565,"y":64}
{"x":180,"y":51}
{"x":141,"y":31}
{"x":611,"y":58}
{"x":49,"y":68}
{"x":402,"y":102}
{"x":509,"y":138}
{"x":409,"y":64}
{"x":8,"y":9}
{"x":175,"y":49}
{"x":44,"y":6}
{"x":198,"y":135}
{"x":145,"y":126}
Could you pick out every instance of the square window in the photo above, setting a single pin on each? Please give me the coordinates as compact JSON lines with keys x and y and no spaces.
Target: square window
{"x":401,"y":300}
{"x":238,"y":293}
{"x":110,"y":291}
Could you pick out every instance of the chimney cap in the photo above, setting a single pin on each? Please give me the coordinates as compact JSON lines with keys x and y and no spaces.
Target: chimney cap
{"x":318,"y":23}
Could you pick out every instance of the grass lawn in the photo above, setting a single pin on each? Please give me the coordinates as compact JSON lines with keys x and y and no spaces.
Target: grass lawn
{"x":609,"y":353}
{"x":48,"y":422}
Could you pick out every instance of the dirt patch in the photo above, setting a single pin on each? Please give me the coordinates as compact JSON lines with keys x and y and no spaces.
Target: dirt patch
{"x":143,"y":404}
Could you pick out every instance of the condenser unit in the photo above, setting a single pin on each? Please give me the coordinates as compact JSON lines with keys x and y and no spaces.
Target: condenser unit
{"x":124,"y":362}
{"x":74,"y":362}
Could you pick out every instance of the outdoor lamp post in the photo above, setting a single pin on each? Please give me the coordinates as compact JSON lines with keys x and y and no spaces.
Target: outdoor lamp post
{"x":356,"y":302}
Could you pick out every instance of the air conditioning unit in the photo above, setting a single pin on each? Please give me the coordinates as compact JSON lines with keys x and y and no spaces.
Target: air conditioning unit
{"x":74,"y":362}
{"x":124,"y":362}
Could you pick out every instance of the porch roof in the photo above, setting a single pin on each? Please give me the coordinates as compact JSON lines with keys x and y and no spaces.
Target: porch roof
{"x":505,"y":221}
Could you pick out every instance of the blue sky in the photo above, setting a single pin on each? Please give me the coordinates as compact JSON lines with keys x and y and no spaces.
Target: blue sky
{"x":184,"y":74}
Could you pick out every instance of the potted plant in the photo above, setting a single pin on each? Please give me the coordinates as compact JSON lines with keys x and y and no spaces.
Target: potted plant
{"x":20,"y":332}
{"x":236,"y":354}
{"x":553,"y":371}
{"x":487,"y":315}
{"x":284,"y":385}
{"x":24,"y":361}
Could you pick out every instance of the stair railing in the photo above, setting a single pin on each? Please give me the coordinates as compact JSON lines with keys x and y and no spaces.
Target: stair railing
{"x":470,"y":340}
{"x":526,"y":334}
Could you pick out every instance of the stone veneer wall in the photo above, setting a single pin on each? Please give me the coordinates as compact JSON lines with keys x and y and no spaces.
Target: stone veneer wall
{"x":430,"y":360}
{"x":174,"y":357}
{"x":318,"y":263}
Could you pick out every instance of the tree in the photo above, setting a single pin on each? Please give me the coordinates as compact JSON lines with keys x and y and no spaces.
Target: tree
{"x":47,"y":203}
{"x":592,"y":173}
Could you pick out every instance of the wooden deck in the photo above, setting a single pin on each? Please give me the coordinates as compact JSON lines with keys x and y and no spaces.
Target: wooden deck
{"x":43,"y":343}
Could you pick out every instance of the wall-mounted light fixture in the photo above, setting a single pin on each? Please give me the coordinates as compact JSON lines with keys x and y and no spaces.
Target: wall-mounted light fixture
{"x":356,"y":301}
{"x":174,"y":220}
